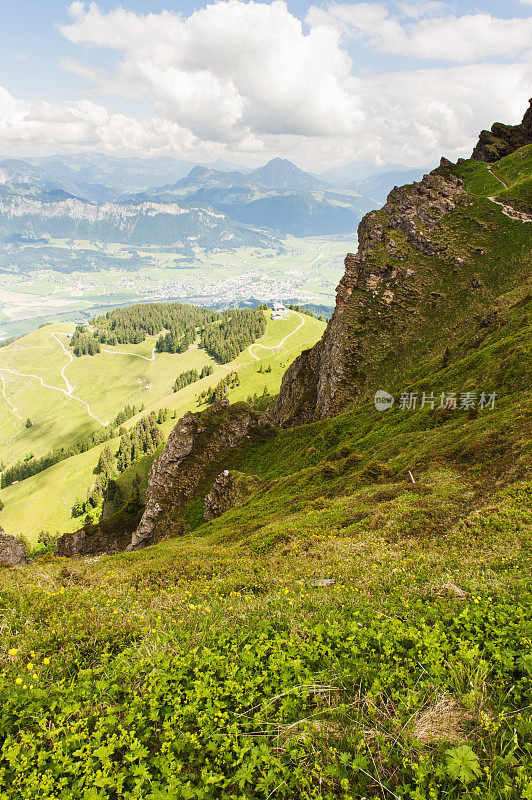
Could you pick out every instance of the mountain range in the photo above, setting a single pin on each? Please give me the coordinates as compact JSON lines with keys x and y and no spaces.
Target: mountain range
{"x":326,"y":593}
{"x":97,"y":198}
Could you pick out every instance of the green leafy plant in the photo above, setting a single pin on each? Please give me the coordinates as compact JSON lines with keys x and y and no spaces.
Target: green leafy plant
{"x":462,"y":764}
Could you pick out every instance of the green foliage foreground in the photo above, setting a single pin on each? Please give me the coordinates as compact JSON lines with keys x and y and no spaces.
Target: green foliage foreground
{"x":195,"y":670}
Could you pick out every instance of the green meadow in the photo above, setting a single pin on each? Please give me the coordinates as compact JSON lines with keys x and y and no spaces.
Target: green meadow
{"x":107,"y":382}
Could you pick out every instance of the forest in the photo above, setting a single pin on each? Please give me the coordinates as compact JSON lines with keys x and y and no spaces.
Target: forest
{"x":191,"y":376}
{"x":237,"y":328}
{"x":131,"y":325}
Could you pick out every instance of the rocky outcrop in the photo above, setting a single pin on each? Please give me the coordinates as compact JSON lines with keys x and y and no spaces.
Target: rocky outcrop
{"x":12,"y":551}
{"x":229,"y":490}
{"x":376,"y":299}
{"x":502,"y":140}
{"x":193,"y":455}
{"x":110,"y":535}
{"x":104,"y":537}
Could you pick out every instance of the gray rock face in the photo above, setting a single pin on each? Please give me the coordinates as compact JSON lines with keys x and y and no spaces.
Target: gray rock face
{"x":229,"y":489}
{"x":326,"y":378}
{"x":502,"y":140}
{"x":12,"y":551}
{"x":97,"y":539}
{"x":194,"y":453}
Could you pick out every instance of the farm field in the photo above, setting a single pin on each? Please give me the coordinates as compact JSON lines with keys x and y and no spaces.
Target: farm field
{"x":307,"y":272}
{"x":102,"y":385}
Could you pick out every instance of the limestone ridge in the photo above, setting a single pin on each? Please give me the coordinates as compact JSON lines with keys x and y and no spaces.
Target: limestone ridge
{"x":377,"y":295}
{"x":502,"y":140}
{"x":192,"y":457}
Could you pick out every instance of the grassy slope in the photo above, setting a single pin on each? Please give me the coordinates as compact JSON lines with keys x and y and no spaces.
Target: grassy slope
{"x":216,"y":665}
{"x":43,"y":502}
{"x":513,"y":170}
{"x":213,"y":665}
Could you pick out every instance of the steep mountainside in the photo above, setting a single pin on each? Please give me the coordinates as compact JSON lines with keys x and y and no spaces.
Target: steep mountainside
{"x":429,"y":265}
{"x":438,"y":263}
{"x":342,"y":607}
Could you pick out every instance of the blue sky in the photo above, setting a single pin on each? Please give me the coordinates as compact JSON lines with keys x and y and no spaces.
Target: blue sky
{"x":321,"y":83}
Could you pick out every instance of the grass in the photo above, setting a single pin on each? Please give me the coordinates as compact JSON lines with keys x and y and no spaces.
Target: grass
{"x":201,"y":668}
{"x":43,"y":502}
{"x":357,"y":626}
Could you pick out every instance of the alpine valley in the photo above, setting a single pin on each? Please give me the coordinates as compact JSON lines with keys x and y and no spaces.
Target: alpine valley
{"x":277,"y":557}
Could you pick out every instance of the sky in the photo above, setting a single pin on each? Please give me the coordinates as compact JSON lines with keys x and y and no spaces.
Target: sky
{"x":322,"y":83}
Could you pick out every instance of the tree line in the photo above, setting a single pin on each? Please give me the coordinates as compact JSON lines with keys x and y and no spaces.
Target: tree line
{"x":131,"y":325}
{"x":175,"y":341}
{"x":144,"y":438}
{"x":191,"y":376}
{"x":83,"y":342}
{"x":218,"y":392}
{"x":25,"y":469}
{"x":141,"y":440}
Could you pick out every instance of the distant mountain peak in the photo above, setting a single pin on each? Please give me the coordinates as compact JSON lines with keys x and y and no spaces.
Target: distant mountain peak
{"x":281,"y":174}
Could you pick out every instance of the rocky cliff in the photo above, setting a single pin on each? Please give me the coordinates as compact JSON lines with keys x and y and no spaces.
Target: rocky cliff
{"x":429,"y":257}
{"x":12,"y":551}
{"x":229,"y":490}
{"x":193,"y":455}
{"x":379,"y":299}
{"x":502,"y":140}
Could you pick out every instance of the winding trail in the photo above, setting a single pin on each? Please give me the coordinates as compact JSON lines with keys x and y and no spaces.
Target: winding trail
{"x":265,"y":347}
{"x":511,"y":212}
{"x":6,"y":398}
{"x":55,"y":389}
{"x":507,"y":210}
{"x":125,"y":353}
{"x":69,"y":386}
{"x":490,"y":169}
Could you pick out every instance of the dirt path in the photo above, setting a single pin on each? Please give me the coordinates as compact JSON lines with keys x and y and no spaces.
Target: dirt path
{"x":264,"y":347}
{"x":511,"y":212}
{"x":125,"y":353}
{"x":55,"y":389}
{"x":69,"y":386}
{"x":490,"y":169}
{"x":6,"y":398}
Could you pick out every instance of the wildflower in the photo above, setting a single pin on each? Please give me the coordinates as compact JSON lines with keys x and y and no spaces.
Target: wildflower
{"x":13,"y":651}
{"x":18,"y":681}
{"x":29,"y":667}
{"x":46,"y":661}
{"x":34,"y":676}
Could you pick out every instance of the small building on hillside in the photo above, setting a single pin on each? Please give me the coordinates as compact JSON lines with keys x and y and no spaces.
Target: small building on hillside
{"x":279,"y":311}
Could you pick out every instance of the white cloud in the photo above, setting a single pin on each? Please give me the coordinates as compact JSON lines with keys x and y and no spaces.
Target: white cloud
{"x":457,"y":39}
{"x":82,"y":124}
{"x":247,"y":80}
{"x":421,"y":8}
{"x":80,"y":69}
{"x":230,"y":70}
